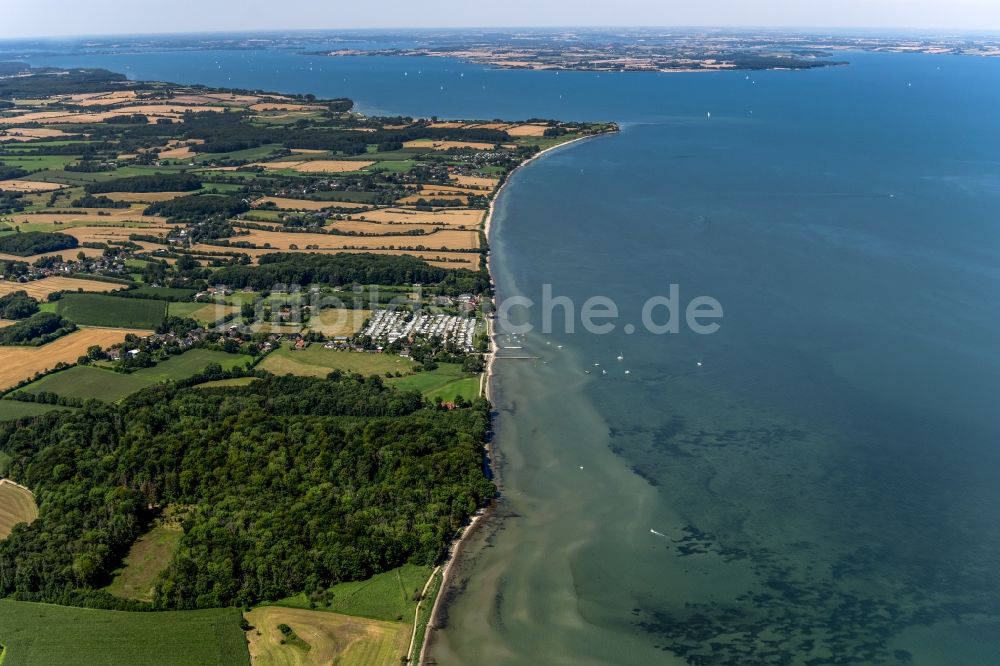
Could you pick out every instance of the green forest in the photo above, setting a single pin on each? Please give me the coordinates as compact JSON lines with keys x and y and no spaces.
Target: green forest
{"x":291,"y":484}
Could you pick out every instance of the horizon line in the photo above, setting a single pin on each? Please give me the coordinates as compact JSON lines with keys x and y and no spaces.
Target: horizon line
{"x":831,"y":30}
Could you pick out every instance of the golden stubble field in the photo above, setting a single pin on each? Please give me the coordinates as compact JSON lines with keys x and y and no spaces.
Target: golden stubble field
{"x":307,"y":204}
{"x":333,"y":638}
{"x":318,"y":166}
{"x":17,"y":505}
{"x":21,"y":363}
{"x":40,"y":289}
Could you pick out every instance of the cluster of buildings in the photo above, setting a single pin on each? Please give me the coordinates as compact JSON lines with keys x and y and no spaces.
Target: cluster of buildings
{"x":391,"y":325}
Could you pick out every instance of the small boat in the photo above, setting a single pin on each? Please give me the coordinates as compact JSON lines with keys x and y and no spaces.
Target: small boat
{"x":699,"y":364}
{"x":621,"y":357}
{"x":628,"y":372}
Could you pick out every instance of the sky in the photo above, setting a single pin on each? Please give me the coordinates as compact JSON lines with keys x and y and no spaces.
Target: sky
{"x":41,"y":18}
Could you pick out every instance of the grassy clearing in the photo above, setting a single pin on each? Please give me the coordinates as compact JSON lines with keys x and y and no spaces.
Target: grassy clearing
{"x":315,"y":361}
{"x":203,"y":313}
{"x":162,"y":292}
{"x":11,"y":410}
{"x":42,"y":634}
{"x":389,"y":596}
{"x":101,"y":310}
{"x":331,"y":638}
{"x":447,"y":381}
{"x":424,"y":615}
{"x":148,"y":556}
{"x":222,"y":383}
{"x":85,"y":382}
{"x":17,"y":505}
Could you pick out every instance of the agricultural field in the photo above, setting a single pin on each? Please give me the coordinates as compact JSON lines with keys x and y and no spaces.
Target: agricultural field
{"x":20,"y":363}
{"x":40,"y":289}
{"x":447,"y":381}
{"x":102,"y":310}
{"x":282,"y":203}
{"x":11,"y":410}
{"x":317,"y":166}
{"x":389,"y":596}
{"x":333,"y":322}
{"x":322,"y":638}
{"x":315,"y":361}
{"x":17,"y":505}
{"x":41,"y":634}
{"x":86,"y":382}
{"x":203,"y":313}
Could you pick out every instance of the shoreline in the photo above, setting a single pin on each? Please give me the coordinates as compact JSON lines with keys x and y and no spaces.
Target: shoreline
{"x":454,"y":550}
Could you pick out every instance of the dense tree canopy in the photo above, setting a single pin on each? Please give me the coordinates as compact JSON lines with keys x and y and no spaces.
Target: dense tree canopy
{"x":161,"y":182}
{"x":17,"y":305}
{"x":341,"y":269}
{"x":37,"y":329}
{"x":36,"y":242}
{"x":291,"y":483}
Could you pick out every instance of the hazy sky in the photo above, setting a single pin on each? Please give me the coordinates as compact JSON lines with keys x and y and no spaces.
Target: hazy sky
{"x":100,"y":17}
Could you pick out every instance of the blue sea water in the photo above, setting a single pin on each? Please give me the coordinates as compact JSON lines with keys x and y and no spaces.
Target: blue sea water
{"x":817,"y":482}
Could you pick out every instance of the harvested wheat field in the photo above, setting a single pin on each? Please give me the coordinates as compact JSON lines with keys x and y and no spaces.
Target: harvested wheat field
{"x":478,"y":182}
{"x":6,"y":322}
{"x":332,"y":638}
{"x":40,"y":289}
{"x":87,"y":252}
{"x":36,"y":132}
{"x":28,"y":186}
{"x":318,"y":166}
{"x":110,"y":234}
{"x":307,"y":204}
{"x":527,"y":130}
{"x":338,"y":321}
{"x":279,"y":106}
{"x":103,"y":98}
{"x":17,"y":505}
{"x":447,"y":145}
{"x":450,"y":217}
{"x":21,"y":363}
{"x":451,"y":124}
{"x":89,"y":216}
{"x":379,"y":228}
{"x":180,"y":153}
{"x":152,"y":111}
{"x":450,"y":196}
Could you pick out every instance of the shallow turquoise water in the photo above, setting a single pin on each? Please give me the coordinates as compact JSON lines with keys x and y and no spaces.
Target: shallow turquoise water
{"x":824,"y":484}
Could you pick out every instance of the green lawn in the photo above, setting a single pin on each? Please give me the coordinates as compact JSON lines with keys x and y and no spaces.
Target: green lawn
{"x":43,"y":634}
{"x":14,"y":409}
{"x":314,"y":361}
{"x":447,"y":381}
{"x":146,"y":559}
{"x":85,"y":382}
{"x":163,"y":292}
{"x":114,"y":311}
{"x":386,"y":596}
{"x":392,"y":166}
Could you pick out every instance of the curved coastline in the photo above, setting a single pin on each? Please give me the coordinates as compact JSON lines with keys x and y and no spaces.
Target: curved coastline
{"x":455,"y":550}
